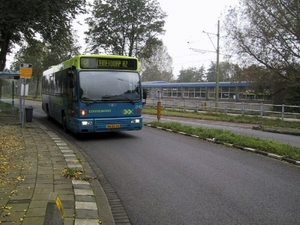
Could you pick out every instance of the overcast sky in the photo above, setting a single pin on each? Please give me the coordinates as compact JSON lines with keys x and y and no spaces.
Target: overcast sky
{"x":184,"y":27}
{"x":186,"y":20}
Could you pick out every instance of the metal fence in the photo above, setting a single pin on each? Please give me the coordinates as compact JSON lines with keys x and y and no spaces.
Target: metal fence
{"x":259,"y":109}
{"x":8,"y":113}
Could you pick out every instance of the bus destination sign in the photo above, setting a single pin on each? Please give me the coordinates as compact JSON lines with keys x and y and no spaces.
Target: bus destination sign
{"x":108,"y":63}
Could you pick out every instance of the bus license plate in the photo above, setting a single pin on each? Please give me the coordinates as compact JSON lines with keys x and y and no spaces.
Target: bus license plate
{"x":112,"y":126}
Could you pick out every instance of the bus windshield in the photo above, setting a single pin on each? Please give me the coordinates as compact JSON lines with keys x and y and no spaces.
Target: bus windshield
{"x":109,"y":86}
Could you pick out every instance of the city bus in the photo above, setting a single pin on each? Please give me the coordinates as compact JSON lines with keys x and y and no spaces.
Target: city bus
{"x":94,"y":93}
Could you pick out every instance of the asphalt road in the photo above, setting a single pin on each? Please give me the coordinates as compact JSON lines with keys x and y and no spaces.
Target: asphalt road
{"x":167,"y":178}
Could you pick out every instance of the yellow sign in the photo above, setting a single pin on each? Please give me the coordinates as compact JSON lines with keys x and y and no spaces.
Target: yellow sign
{"x":60,"y":206}
{"x":25,"y":70}
{"x":113,"y":126}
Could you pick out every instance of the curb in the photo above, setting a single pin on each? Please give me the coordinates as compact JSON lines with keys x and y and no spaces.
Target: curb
{"x":276,"y":131}
{"x":271,"y":155}
{"x":86,"y":209}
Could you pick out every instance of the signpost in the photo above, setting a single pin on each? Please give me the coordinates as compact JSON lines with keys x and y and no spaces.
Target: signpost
{"x":25,"y":70}
{"x":158,"y":95}
{"x":25,"y":73}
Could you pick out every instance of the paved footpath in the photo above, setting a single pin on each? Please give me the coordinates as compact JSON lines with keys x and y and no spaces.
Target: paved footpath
{"x":34,"y":172}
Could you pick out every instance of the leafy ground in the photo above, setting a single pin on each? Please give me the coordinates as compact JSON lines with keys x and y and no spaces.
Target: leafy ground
{"x":11,"y":144}
{"x":10,"y":148}
{"x":12,"y":151}
{"x":13,"y":162}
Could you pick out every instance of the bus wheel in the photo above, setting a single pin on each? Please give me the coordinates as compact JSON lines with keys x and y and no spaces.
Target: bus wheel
{"x":64,"y":123}
{"x":48,"y":114}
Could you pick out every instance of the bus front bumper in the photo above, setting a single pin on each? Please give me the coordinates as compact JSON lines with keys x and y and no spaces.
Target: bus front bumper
{"x":108,"y":124}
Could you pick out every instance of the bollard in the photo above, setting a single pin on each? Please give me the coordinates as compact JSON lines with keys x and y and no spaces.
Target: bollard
{"x":158,"y":110}
{"x":54,"y":211}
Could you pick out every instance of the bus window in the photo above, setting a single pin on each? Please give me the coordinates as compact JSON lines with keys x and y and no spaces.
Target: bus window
{"x":96,"y":85}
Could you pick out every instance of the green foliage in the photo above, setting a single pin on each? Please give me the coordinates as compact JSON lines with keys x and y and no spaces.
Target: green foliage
{"x":228,"y":72}
{"x":158,"y":66}
{"x":125,"y":27}
{"x":42,"y":56}
{"x":28,"y":20}
{"x":192,"y":74}
{"x":267,"y":33}
{"x":75,"y":174}
{"x":154,"y":74}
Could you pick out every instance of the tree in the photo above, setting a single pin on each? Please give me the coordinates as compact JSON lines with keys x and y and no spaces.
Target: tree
{"x":125,"y":27}
{"x":152,"y":74}
{"x":158,"y":66}
{"x":192,"y":74}
{"x":259,"y":78}
{"x":31,"y":19}
{"x":227,"y":72}
{"x":42,"y":56}
{"x":3,"y":82}
{"x":31,"y":54}
{"x":267,"y":32}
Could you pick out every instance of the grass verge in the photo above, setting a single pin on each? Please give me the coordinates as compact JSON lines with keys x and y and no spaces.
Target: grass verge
{"x":268,"y":146}
{"x":229,"y":137}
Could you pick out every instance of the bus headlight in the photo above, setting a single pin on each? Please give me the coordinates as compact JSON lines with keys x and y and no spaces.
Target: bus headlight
{"x":136,"y":121}
{"x":86,"y":123}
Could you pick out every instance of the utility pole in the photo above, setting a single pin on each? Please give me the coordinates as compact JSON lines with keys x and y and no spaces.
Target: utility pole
{"x":217,"y":70}
{"x":218,"y":65}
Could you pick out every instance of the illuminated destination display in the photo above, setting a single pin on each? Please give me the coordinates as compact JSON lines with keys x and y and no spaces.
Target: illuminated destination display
{"x":108,"y":63}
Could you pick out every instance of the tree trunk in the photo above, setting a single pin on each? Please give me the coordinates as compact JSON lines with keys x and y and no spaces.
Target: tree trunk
{"x":4,"y":45}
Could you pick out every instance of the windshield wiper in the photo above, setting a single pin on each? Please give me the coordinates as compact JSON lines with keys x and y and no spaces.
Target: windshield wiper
{"x":129,"y":99}
{"x":116,"y":98}
{"x":89,"y":101}
{"x":86,"y":99}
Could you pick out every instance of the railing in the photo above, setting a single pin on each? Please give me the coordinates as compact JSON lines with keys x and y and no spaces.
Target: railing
{"x":9,"y":113}
{"x":260,"y":109}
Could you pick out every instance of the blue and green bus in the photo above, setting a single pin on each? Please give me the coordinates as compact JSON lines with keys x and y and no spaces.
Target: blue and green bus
{"x":94,"y":93}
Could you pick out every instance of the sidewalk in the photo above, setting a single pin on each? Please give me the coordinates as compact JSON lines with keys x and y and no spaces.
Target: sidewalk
{"x":32,"y":159}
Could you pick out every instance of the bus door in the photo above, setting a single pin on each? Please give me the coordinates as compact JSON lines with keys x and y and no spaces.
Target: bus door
{"x":72,"y":96}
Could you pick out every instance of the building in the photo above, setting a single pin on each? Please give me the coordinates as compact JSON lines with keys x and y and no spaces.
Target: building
{"x":202,"y":90}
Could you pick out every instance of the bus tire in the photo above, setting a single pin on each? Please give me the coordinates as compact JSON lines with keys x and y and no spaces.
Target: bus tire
{"x":47,"y":112}
{"x":64,"y":122}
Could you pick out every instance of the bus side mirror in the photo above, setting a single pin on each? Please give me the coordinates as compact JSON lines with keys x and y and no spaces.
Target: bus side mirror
{"x":144,"y":96}
{"x":71,"y":81}
{"x":144,"y":93}
{"x":71,"y":84}
{"x":71,"y":76}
